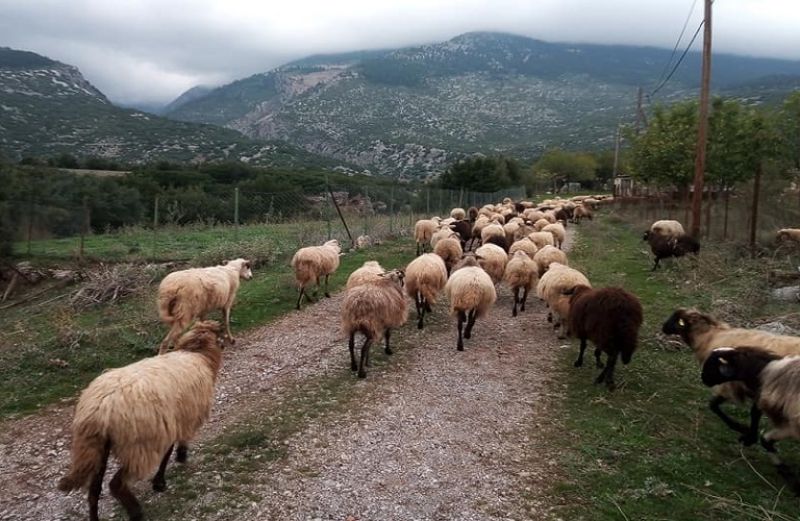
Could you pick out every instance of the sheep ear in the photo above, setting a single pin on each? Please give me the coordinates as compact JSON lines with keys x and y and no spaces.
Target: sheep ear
{"x":225,"y":261}
{"x":726,"y":369}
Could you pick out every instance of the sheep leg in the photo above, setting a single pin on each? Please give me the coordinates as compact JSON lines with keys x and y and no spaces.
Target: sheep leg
{"x":516,"y":299}
{"x":420,"y":311}
{"x":549,"y":316}
{"x":579,"y":361}
{"x":173,"y":335}
{"x":352,"y":345}
{"x":226,"y":313}
{"x":182,"y":453}
{"x":470,"y":323}
{"x":597,"y":362}
{"x":461,"y":318}
{"x":751,"y":436}
{"x":714,"y":405}
{"x":608,"y":372}
{"x":300,"y":296}
{"x":768,"y":442}
{"x":96,"y":486}
{"x":417,"y":249}
{"x":524,"y":299}
{"x":655,"y":264}
{"x":326,"y":287}
{"x":362,"y":372}
{"x":386,"y":336}
{"x":159,"y":482}
{"x":120,"y":491}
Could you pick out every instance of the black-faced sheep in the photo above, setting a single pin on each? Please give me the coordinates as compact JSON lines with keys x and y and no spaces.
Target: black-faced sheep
{"x":665,"y":247}
{"x":610,"y":318}
{"x":312,"y":263}
{"x":139,"y":412}
{"x":189,"y":294}
{"x":372,"y":309}
{"x":703,"y":333}
{"x":521,"y":273}
{"x":425,"y":278}
{"x":775,"y":384}
{"x":471,"y":293}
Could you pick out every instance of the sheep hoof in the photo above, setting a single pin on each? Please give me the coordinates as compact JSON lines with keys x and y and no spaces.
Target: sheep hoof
{"x":578,"y":363}
{"x":611,"y":386}
{"x":562,"y":336}
{"x":362,"y":374}
{"x":354,"y":367}
{"x":419,"y":324}
{"x":389,"y":351}
{"x":748,"y":439}
{"x":181,"y":454}
{"x":159,"y":485}
{"x":599,"y":365}
{"x":327,"y":294}
{"x":467,"y":334}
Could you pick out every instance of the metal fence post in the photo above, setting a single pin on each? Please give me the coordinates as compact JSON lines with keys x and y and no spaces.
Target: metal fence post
{"x":236,"y":213}
{"x":84,"y":226}
{"x":391,"y":209}
{"x":155,"y":227}
{"x":366,"y":210}
{"x":328,"y":210}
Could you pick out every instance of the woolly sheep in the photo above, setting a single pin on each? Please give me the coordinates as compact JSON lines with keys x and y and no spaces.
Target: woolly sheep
{"x":541,"y":223}
{"x":312,"y":263}
{"x":521,"y":273}
{"x":458,"y":214}
{"x":492,"y":259}
{"x":464,"y":231}
{"x":542,"y":239}
{"x":139,"y":412}
{"x":492,"y":230}
{"x":525,"y":229}
{"x":450,"y":251}
{"x":472,"y":213}
{"x":547,"y":255}
{"x":368,"y":272}
{"x":533,"y":215}
{"x":703,"y":333}
{"x":442,"y":233}
{"x":471,"y":293}
{"x":425,"y":277}
{"x":424,"y":230}
{"x":775,"y":384}
{"x":559,"y":233}
{"x":610,"y":318}
{"x":581,"y":212}
{"x":189,"y":294}
{"x":790,"y":234}
{"x":372,"y":309}
{"x":554,"y":287}
{"x":664,"y":247}
{"x":668,"y":228}
{"x":524,"y":244}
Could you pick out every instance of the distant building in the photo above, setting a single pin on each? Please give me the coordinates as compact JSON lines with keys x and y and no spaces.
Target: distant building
{"x":623,"y":186}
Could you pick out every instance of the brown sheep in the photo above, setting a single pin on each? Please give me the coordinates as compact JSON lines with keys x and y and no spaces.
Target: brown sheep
{"x":471,"y":293}
{"x":425,"y":277}
{"x":312,"y":263}
{"x":521,"y":273}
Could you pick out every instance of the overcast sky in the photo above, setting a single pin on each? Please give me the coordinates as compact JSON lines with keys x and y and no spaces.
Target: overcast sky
{"x":152,"y":50}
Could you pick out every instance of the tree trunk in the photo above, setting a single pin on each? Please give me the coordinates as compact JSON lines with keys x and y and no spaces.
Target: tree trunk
{"x":725,"y":224}
{"x":686,"y":203}
{"x":709,"y":202}
{"x":754,"y":215}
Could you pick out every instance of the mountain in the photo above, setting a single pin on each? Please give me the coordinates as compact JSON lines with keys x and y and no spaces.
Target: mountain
{"x":47,"y":107}
{"x":192,"y":94}
{"x":411,"y":111}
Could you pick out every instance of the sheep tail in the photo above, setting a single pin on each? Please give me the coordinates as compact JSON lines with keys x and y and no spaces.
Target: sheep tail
{"x":89,"y":455}
{"x":305,"y":271}
{"x":166,"y":307}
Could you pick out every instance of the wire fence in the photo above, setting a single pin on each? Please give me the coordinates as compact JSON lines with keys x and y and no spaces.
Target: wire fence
{"x":191,"y":225}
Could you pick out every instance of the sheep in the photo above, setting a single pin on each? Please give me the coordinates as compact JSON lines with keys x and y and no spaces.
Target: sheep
{"x":542,"y":239}
{"x":189,"y":294}
{"x":442,"y":233}
{"x":610,"y":318}
{"x":547,"y":255}
{"x":477,"y":229}
{"x":525,"y":229}
{"x":139,"y":412}
{"x":502,"y":242}
{"x":559,"y":233}
{"x":790,"y":234}
{"x":424,"y":230}
{"x":492,"y":259}
{"x":581,"y":212}
{"x":368,"y":272}
{"x":667,"y":228}
{"x":464,"y":231}
{"x":492,"y":230}
{"x":450,"y":251}
{"x":472,"y":213}
{"x":372,"y":309}
{"x":311,"y":263}
{"x":774,"y":383}
{"x":471,"y":293}
{"x":554,"y":287}
{"x":521,"y":273}
{"x":458,"y":214}
{"x":664,"y":247}
{"x":425,"y":277}
{"x":541,"y":223}
{"x":703,"y":333}
{"x":524,"y":244}
{"x":562,"y":214}
{"x":532,"y":215}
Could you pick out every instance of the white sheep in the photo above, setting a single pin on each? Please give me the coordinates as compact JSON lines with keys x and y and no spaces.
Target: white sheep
{"x":189,"y":294}
{"x":372,"y":309}
{"x":471,"y":294}
{"x":666,"y":228}
{"x":450,"y":251}
{"x":554,"y":288}
{"x":425,"y":277}
{"x":424,"y":230}
{"x":493,"y":260}
{"x":312,"y":263}
{"x":459,"y":214}
{"x":443,"y":233}
{"x":547,"y":255}
{"x":542,"y":239}
{"x":139,"y":412}
{"x":368,"y":272}
{"x":559,"y":233}
{"x":524,"y":244}
{"x":521,"y":273}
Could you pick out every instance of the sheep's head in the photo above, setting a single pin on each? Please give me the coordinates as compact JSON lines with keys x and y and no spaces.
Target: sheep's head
{"x":243,"y":266}
{"x":334,"y":245}
{"x":726,"y":364}
{"x":203,"y":334}
{"x":646,"y":235}
{"x":396,"y":275}
{"x":688,"y":323}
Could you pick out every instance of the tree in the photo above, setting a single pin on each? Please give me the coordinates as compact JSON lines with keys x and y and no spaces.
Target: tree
{"x":559,"y":166}
{"x":483,"y":174}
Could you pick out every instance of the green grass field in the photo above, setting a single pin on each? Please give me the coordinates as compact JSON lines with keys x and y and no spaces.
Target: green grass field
{"x":652,"y":450}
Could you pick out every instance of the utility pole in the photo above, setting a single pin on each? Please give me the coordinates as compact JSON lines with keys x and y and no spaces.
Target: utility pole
{"x":702,"y":124}
{"x":616,"y":161}
{"x":641,"y":118}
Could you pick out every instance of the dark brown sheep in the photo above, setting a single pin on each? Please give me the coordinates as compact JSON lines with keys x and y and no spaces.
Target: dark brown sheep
{"x":610,"y":318}
{"x":464,"y":231}
{"x":666,"y":247}
{"x":472,"y":214}
{"x":498,"y":241}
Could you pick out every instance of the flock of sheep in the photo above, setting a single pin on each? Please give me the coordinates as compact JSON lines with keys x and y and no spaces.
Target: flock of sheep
{"x":140,"y":413}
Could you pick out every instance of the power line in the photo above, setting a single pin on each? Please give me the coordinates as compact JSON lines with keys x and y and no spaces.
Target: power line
{"x":677,"y":43}
{"x":685,"y":51}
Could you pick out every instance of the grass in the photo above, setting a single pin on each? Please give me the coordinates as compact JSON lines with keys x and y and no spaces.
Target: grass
{"x":49,"y":352}
{"x":652,"y":450}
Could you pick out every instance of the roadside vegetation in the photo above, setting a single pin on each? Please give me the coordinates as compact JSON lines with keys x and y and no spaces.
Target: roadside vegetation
{"x":652,"y":449}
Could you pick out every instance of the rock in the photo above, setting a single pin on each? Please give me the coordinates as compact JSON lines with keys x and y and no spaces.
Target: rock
{"x":786,"y":293}
{"x":777,"y":328}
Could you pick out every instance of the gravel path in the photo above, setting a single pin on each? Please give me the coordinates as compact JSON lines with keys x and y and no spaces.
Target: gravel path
{"x":434,"y":434}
